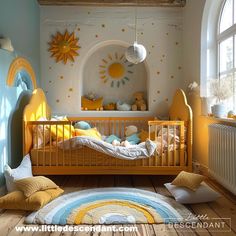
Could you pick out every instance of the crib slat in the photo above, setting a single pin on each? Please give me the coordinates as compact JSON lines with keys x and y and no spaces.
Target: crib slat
{"x":174,"y":151}
{"x":63,"y":151}
{"x":57,"y":145}
{"x":181,"y":136}
{"x":43,"y":146}
{"x":50,"y":146}
{"x":168,"y":146}
{"x":70,"y":135}
{"x":161,"y":145}
{"x":37,"y":144}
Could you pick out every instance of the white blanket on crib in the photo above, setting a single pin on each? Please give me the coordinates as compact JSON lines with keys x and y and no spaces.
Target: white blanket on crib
{"x":142,"y":150}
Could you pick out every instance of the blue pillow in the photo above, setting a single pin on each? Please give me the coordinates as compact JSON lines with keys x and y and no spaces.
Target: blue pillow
{"x":82,"y":125}
{"x":111,"y":138}
{"x":133,"y":139}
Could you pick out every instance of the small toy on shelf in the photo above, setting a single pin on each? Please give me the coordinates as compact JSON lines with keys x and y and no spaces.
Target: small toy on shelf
{"x":91,"y":102}
{"x":231,"y":114}
{"x":110,"y":106}
{"x":91,"y":96}
{"x":123,"y":106}
{"x":140,"y":103}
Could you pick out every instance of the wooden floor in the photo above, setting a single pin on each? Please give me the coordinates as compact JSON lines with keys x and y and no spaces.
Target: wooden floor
{"x":224,"y":207}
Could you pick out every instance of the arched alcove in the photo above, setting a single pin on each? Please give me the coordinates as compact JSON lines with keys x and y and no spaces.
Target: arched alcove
{"x":107,"y":73}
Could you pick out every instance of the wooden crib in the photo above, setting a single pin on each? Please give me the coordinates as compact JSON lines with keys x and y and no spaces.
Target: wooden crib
{"x":52,"y":160}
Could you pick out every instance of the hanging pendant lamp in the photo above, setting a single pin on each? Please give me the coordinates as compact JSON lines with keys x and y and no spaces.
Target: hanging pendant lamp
{"x":136,"y":53}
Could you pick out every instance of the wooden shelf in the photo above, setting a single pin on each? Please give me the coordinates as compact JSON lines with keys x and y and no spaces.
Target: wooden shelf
{"x":110,"y":114}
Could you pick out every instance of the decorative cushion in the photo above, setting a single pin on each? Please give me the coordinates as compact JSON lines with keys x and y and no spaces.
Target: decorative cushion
{"x":24,"y":170}
{"x":82,"y":125}
{"x":41,"y":134}
{"x":17,"y":200}
{"x":57,"y":131}
{"x":186,"y":196}
{"x":111,"y":138}
{"x":33,"y":184}
{"x":133,"y":139}
{"x":93,"y":132}
{"x":188,"y":180}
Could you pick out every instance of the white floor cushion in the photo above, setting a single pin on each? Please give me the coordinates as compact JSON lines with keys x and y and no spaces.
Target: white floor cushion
{"x":186,"y":196}
{"x":24,"y":170}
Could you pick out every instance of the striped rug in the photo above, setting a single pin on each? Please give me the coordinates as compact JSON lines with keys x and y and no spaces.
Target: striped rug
{"x":110,"y":206}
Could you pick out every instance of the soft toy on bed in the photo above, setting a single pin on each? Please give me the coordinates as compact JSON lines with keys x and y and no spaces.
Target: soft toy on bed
{"x":131,"y":137}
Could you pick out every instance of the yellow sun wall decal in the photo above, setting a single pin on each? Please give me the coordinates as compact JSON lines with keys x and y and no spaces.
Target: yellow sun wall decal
{"x":115,"y":69}
{"x":64,"y":47}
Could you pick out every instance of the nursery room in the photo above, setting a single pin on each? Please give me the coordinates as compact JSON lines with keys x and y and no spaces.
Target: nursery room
{"x":117,"y":117}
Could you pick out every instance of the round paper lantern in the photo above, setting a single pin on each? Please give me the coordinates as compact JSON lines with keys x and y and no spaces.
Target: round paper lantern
{"x":136,"y":53}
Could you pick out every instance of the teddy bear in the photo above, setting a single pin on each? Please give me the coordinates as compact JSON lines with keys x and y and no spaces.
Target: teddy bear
{"x":140,"y":103}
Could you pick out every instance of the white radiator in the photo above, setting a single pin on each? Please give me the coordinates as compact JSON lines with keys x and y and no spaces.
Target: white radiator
{"x":222,"y":155}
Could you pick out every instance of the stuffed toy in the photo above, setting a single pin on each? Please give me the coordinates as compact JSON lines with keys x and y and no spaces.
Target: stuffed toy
{"x":122,"y":106}
{"x":131,"y":137}
{"x":131,"y":129}
{"x":110,"y":106}
{"x":140,"y":103}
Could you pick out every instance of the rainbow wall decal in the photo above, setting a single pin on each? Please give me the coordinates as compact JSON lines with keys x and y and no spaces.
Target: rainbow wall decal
{"x":110,"y":206}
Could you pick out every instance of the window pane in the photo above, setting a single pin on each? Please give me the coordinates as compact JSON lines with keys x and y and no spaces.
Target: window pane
{"x":227,"y":16}
{"x":226,"y":55}
{"x":234,"y":11}
{"x":227,"y":91}
{"x":234,"y":49}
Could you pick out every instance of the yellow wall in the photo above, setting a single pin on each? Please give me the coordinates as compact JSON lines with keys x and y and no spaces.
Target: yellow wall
{"x":200,"y":134}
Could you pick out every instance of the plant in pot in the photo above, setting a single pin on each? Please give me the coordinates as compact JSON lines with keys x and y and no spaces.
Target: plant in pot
{"x":221,"y":90}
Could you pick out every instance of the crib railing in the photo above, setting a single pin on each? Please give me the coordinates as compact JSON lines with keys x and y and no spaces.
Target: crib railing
{"x":171,"y":155}
{"x":174,"y":139}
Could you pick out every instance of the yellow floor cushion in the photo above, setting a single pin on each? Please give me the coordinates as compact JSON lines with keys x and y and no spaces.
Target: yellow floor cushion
{"x":188,"y":180}
{"x":33,"y":184}
{"x":17,"y":200}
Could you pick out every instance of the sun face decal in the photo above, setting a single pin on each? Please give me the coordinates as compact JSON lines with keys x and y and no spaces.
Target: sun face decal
{"x":115,"y":69}
{"x":64,"y":47}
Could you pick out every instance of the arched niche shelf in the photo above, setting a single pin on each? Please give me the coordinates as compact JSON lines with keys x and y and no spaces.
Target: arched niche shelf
{"x":21,"y":71}
{"x":106,"y":72}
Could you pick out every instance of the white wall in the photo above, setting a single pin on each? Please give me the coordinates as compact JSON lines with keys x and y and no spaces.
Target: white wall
{"x":192,"y":21}
{"x":159,"y":30}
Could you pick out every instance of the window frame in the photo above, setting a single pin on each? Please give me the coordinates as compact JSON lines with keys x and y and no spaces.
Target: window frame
{"x":221,"y":37}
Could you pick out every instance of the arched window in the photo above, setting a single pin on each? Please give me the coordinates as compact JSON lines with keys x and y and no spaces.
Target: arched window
{"x":226,"y":56}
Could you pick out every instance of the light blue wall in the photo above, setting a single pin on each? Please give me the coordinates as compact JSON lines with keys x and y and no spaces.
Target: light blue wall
{"x":19,"y":20}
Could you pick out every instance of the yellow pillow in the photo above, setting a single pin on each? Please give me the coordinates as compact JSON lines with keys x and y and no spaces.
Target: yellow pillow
{"x":188,"y":180}
{"x":144,"y":135}
{"x":33,"y":184}
{"x":57,"y":131}
{"x":17,"y":200}
{"x":93,"y":132}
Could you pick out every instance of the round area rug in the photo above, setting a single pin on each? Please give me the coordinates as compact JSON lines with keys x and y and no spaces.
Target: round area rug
{"x":110,"y":206}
